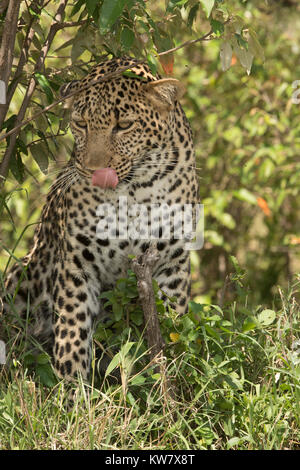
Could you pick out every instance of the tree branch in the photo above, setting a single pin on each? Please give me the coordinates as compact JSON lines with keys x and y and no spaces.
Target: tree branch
{"x":4,"y":166}
{"x":17,"y":75}
{"x":8,"y":45}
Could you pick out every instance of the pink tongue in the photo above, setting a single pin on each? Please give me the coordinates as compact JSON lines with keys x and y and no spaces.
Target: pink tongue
{"x":105,"y":178}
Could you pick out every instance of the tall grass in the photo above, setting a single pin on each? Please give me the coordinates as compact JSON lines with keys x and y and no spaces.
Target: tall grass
{"x":235,"y":372}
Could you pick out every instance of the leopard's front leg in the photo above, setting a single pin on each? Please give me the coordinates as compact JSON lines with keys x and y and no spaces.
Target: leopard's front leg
{"x":76,"y":304}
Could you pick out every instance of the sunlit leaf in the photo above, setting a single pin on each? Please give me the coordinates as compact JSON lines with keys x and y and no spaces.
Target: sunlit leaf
{"x":245,"y":57}
{"x":217,"y":27}
{"x":244,"y":194}
{"x":266,"y":317}
{"x":208,"y":6}
{"x":225,"y":55}
{"x":254,"y":45}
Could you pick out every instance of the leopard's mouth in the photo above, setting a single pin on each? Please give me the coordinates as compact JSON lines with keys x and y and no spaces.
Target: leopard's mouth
{"x":105,"y":178}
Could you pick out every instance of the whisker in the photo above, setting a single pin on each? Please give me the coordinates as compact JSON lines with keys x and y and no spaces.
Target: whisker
{"x":156,"y":165}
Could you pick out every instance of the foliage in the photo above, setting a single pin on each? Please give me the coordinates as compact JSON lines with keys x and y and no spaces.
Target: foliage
{"x":236,"y":381}
{"x":246,"y":132}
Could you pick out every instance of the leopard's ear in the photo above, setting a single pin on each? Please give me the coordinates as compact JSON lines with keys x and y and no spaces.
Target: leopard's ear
{"x":163,"y":93}
{"x":66,"y":90}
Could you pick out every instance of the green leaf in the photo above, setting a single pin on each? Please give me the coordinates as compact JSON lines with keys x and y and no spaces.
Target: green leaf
{"x":155,"y":376}
{"x":208,"y":6}
{"x":245,"y":57}
{"x":152,"y":62}
{"x":249,"y":324}
{"x":234,"y":135}
{"x":45,"y":85}
{"x":46,"y":375}
{"x":241,"y":41}
{"x":117,"y":359}
{"x":111,"y":10}
{"x":137,"y":380}
{"x":266,"y":317}
{"x":43,"y":359}
{"x":233,"y":442}
{"x":192,"y":15}
{"x":244,"y":195}
{"x":196,"y":307}
{"x":16,"y":166}
{"x":127,"y":38}
{"x":39,"y":152}
{"x":172,"y":4}
{"x":91,"y":6}
{"x":126,"y":348}
{"x":115,"y":362}
{"x":77,"y":7}
{"x":118,"y":311}
{"x":235,"y":263}
{"x":217,"y":26}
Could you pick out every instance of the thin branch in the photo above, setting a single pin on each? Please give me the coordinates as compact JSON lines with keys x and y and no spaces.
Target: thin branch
{"x":72,"y":24}
{"x":18,"y":72}
{"x":4,"y":166}
{"x":206,"y":37}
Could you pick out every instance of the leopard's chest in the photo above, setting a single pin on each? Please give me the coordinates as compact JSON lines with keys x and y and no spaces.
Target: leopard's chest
{"x":103,"y":228}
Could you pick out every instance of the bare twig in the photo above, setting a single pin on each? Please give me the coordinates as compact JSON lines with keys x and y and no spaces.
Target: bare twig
{"x":206,"y":37}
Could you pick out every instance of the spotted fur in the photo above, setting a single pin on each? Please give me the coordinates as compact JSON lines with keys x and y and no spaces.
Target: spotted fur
{"x":135,"y":125}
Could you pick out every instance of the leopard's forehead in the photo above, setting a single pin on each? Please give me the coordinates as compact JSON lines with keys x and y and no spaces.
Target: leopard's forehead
{"x":118,"y":64}
{"x":96,"y":98}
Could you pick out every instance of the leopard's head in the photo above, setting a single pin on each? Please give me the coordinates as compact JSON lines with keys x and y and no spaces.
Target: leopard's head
{"x":117,"y":122}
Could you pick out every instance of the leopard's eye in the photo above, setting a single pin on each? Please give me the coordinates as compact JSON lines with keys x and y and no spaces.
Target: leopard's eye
{"x":124,"y":125}
{"x":82,"y":124}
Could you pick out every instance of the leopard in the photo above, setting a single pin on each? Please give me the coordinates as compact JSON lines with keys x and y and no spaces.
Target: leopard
{"x":132,"y":143}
